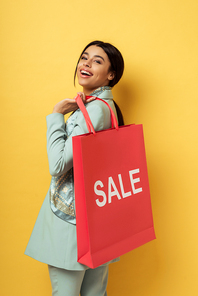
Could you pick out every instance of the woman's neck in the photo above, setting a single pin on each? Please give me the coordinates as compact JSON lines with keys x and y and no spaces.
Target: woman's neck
{"x":95,"y":91}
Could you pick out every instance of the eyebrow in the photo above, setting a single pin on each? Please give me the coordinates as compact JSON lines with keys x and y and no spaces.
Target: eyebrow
{"x":97,"y":56}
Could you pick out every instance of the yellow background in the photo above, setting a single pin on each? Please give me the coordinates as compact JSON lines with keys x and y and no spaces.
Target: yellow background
{"x":40,"y":45}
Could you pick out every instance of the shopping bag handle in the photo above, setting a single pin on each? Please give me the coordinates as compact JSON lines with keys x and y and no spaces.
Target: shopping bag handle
{"x":114,"y":122}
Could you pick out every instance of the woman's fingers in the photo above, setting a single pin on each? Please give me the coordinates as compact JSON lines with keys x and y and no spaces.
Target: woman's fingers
{"x":83,"y":97}
{"x":91,"y":99}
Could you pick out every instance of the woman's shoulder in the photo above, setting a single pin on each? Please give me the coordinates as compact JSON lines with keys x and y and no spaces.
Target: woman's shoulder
{"x":99,"y":114}
{"x":98,"y":104}
{"x":100,"y":109}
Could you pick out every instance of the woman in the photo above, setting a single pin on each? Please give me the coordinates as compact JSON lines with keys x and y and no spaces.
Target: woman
{"x":53,"y":240}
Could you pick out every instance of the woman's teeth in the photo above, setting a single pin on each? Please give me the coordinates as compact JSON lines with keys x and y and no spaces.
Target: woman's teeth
{"x":85,"y":73}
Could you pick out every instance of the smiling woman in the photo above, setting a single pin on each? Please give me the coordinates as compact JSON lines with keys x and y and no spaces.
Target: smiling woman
{"x":53,"y":240}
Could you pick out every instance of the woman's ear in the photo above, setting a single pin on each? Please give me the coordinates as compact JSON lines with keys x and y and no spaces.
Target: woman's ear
{"x":111,"y":75}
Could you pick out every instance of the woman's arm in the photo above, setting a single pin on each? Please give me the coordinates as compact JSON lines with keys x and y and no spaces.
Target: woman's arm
{"x":59,"y":146}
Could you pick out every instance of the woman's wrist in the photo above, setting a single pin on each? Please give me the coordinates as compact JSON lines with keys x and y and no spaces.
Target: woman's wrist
{"x":65,"y":106}
{"x":55,"y":110}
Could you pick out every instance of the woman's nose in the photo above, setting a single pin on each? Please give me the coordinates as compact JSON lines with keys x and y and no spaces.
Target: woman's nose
{"x":87,"y":63}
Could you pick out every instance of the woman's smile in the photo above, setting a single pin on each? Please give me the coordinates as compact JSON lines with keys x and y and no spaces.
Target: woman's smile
{"x":85,"y":73}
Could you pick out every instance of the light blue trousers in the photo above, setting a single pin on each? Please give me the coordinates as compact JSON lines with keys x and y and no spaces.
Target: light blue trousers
{"x":90,"y":282}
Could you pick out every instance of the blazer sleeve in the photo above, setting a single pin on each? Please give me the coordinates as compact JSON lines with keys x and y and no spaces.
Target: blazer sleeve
{"x":59,"y":146}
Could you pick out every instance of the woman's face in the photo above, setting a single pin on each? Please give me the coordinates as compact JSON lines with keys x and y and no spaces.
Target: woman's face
{"x":93,"y":69}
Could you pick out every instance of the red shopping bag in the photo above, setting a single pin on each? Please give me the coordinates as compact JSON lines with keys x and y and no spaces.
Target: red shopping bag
{"x":113,"y":207}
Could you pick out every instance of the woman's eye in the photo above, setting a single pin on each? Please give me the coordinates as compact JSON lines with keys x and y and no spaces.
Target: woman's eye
{"x":98,"y":62}
{"x":83,"y":58}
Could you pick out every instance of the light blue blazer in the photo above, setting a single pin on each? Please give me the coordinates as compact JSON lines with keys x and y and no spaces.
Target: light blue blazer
{"x":53,"y":241}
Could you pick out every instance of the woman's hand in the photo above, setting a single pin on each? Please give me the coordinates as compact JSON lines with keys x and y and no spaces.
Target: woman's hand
{"x":68,"y":105}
